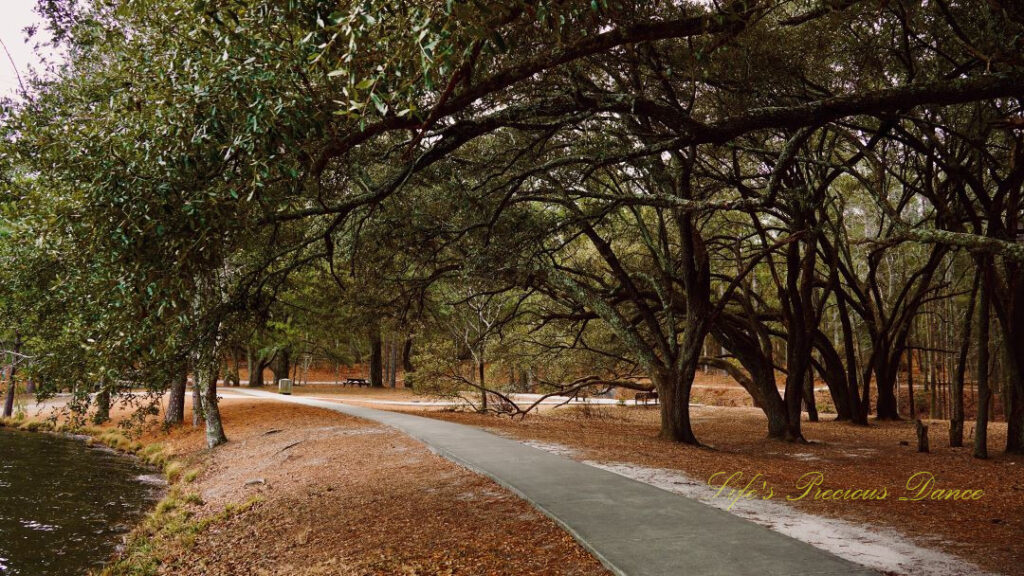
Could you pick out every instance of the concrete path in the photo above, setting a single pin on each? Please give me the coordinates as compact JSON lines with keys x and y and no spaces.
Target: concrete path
{"x":635,"y":529}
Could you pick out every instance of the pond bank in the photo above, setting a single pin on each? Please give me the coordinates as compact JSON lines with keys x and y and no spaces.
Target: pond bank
{"x":302,"y":491}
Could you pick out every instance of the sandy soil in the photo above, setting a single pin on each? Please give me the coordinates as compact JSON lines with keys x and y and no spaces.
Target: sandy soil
{"x":337,"y":495}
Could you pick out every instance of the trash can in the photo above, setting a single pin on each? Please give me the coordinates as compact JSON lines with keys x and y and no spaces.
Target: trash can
{"x":284,"y":386}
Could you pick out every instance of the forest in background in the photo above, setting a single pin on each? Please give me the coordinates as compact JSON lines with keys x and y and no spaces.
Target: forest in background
{"x":578,"y":194}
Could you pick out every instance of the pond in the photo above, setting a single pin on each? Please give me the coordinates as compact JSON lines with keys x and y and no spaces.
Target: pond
{"x":64,"y":506}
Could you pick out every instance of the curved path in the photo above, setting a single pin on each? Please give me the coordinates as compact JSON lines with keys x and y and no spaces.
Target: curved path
{"x":635,"y":529}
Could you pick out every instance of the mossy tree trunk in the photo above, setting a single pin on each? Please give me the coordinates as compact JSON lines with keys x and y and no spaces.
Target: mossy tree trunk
{"x":175,"y":413}
{"x":102,"y":414}
{"x":207,"y":372}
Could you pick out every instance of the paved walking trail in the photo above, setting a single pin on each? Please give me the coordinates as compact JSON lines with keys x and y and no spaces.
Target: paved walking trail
{"x":635,"y":529}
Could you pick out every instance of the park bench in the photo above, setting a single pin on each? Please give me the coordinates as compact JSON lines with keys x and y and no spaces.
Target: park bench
{"x":645,"y":397}
{"x":356,"y":382}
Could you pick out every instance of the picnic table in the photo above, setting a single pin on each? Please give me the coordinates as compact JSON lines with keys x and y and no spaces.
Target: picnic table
{"x":356,"y":382}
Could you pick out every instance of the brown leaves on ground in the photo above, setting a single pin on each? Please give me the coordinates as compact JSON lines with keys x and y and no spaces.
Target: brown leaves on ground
{"x":340,"y":496}
{"x":987,"y":532}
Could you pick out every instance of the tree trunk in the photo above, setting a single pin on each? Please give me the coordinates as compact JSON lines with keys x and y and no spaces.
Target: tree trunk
{"x":810,"y":402}
{"x":206,"y":377}
{"x":393,"y":364}
{"x":1013,"y":338}
{"x":282,"y":365}
{"x":483,"y":384}
{"x":674,"y":399}
{"x":910,"y":382}
{"x":858,"y":410}
{"x":794,"y":392}
{"x":11,"y":382}
{"x":922,"y":436}
{"x":233,"y":377}
{"x":197,"y":401}
{"x":523,"y":379}
{"x":984,"y":392}
{"x":760,"y":384}
{"x":102,"y":414}
{"x":9,"y":394}
{"x":886,"y":368}
{"x":376,"y":368}
{"x":256,"y":377}
{"x":834,"y":375}
{"x":956,"y":422}
{"x":176,"y":401}
{"x":800,"y":319}
{"x":407,"y":365}
{"x":249,"y":364}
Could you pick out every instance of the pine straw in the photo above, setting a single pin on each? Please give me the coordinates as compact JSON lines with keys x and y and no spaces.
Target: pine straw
{"x":315,"y":492}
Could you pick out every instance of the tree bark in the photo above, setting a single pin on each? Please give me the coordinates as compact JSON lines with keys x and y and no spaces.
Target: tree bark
{"x":176,"y":400}
{"x":282,"y":364}
{"x":674,"y":380}
{"x":674,"y":390}
{"x":760,"y":384}
{"x":984,"y":392}
{"x":834,"y":375}
{"x":102,"y":414}
{"x":481,"y":365}
{"x":11,"y":382}
{"x":407,"y":365}
{"x":9,"y":393}
{"x":799,"y":317}
{"x":886,"y":369}
{"x":233,"y":376}
{"x":256,"y":377}
{"x":206,"y":377}
{"x":376,"y":361}
{"x":858,"y":410}
{"x":249,"y":364}
{"x":956,"y":422}
{"x":922,"y":436}
{"x":910,"y":382}
{"x":393,"y":364}
{"x":1013,"y":337}
{"x":810,"y":402}
{"x":197,"y":401}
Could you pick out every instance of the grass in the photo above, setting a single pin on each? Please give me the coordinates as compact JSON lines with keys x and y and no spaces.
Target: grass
{"x":169,"y":530}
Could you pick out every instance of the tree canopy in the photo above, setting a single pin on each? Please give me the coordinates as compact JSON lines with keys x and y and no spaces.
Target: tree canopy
{"x":768,"y":187}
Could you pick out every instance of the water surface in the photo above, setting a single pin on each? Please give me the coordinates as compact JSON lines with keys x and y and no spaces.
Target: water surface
{"x":64,"y":506}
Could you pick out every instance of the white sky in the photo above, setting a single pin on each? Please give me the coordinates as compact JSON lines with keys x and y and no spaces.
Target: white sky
{"x":15,"y":15}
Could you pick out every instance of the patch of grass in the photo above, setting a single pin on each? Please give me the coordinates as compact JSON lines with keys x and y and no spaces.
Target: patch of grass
{"x":157,"y":545}
{"x":117,"y":441}
{"x":36,"y":426}
{"x":194,"y":498}
{"x":173,"y":471}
